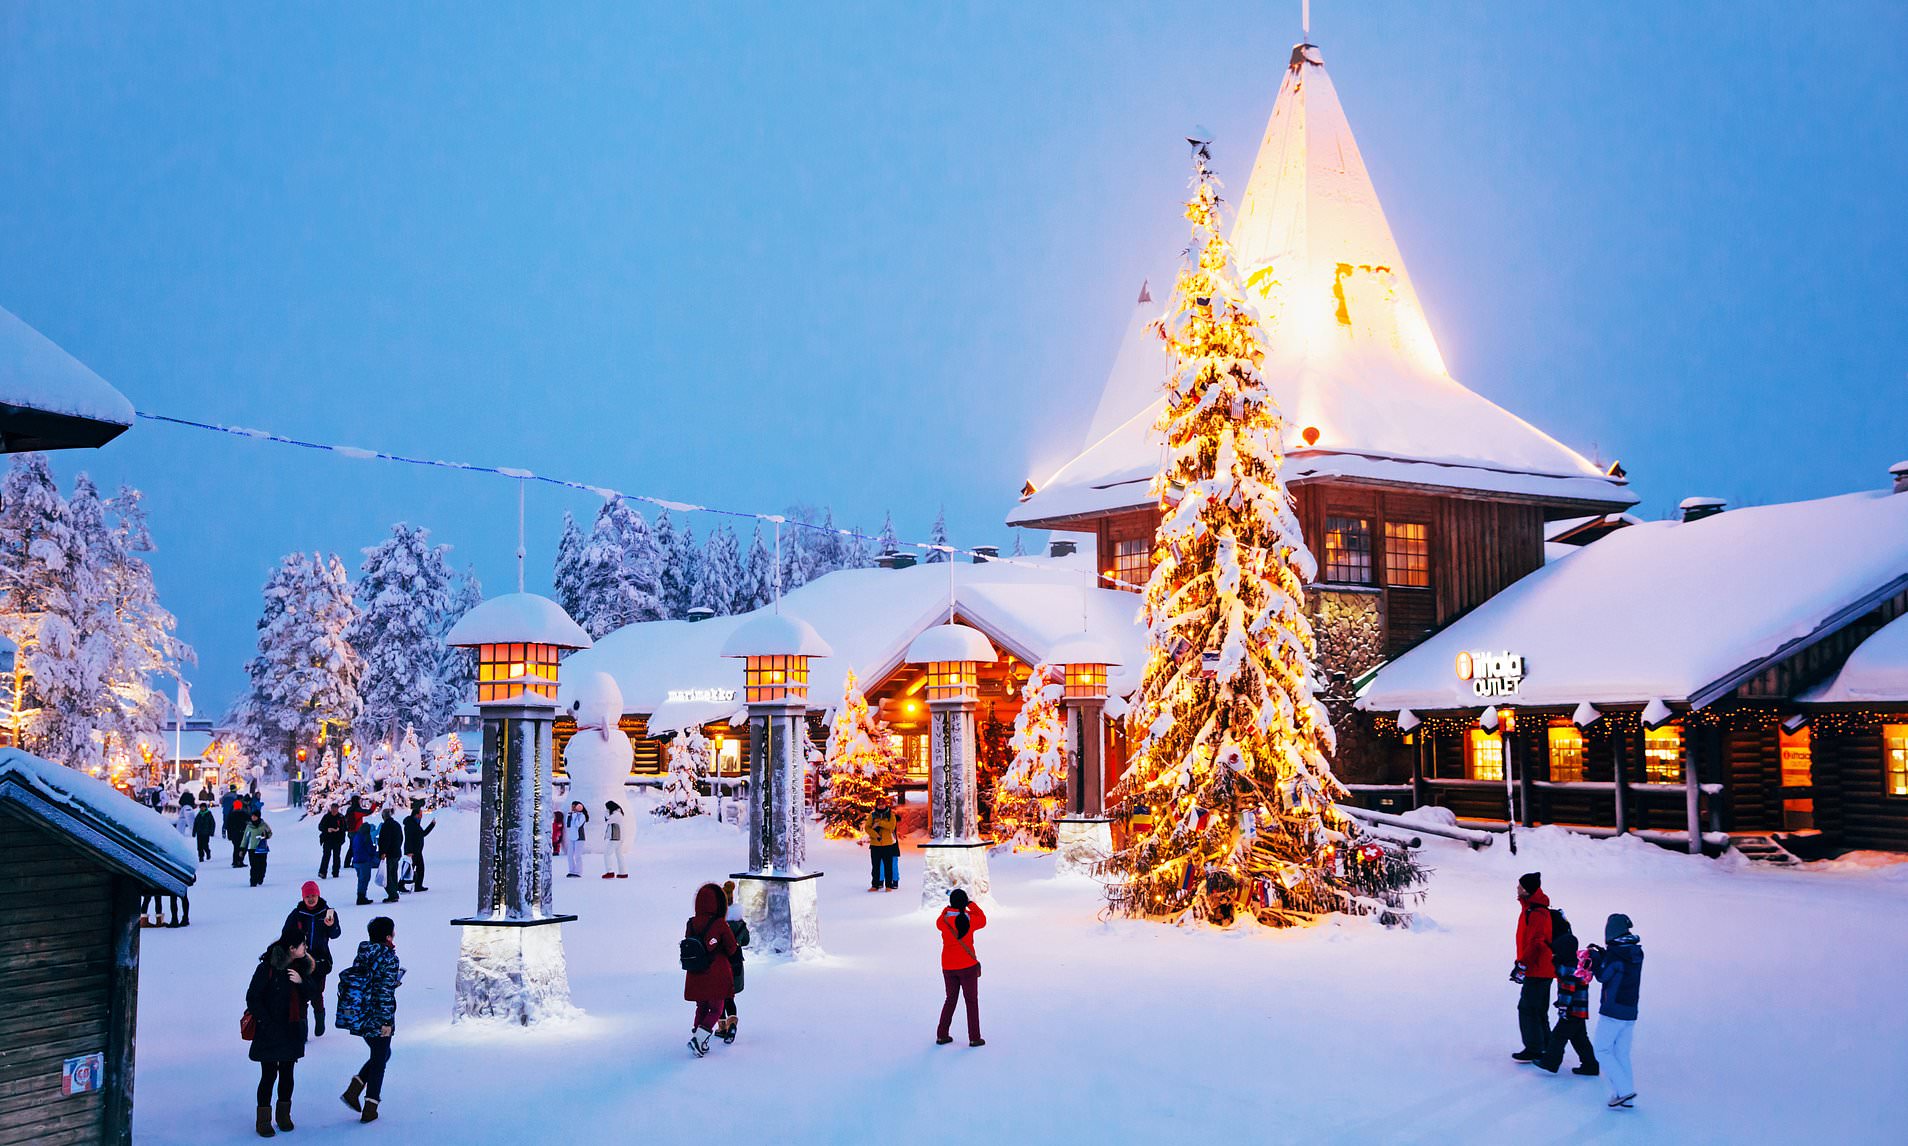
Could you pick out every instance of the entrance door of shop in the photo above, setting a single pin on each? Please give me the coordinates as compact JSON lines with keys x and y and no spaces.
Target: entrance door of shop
{"x":1798,"y":780}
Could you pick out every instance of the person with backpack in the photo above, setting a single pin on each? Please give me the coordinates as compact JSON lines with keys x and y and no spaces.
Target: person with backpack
{"x":275,"y":1007}
{"x":364,"y":858}
{"x":204,"y":827}
{"x":615,"y":831}
{"x":1619,"y":967}
{"x":738,"y":929}
{"x":367,"y":1007}
{"x":1573,"y":1002}
{"x":708,"y":977}
{"x":884,"y":847}
{"x":257,"y":841}
{"x":414,"y":833}
{"x":575,"y":827}
{"x":331,"y":841}
{"x":391,"y":851}
{"x":960,"y":966}
{"x":1534,"y":969}
{"x":317,"y":923}
{"x":235,"y":819}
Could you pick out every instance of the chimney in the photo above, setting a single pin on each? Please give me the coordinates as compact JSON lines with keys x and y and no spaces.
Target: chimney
{"x":985,"y":553}
{"x":700,"y":613}
{"x":1899,"y":471}
{"x":1697,"y":508}
{"x":1058,"y":547}
{"x":895,"y":560}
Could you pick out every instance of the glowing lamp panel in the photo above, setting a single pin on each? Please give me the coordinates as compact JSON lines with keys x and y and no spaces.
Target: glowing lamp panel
{"x":1086,"y":680}
{"x":776,"y":678}
{"x":504,"y":671}
{"x":952,"y":680}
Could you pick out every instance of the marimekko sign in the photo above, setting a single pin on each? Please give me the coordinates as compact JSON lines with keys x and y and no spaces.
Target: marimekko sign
{"x":701,"y":695}
{"x":1491,"y":674}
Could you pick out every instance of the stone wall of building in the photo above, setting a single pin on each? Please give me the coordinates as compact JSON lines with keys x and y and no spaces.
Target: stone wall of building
{"x":1349,"y":629}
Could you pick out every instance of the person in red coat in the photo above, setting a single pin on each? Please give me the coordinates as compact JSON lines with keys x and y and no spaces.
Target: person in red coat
{"x":709,"y":988}
{"x":1534,"y":968}
{"x":960,"y":966}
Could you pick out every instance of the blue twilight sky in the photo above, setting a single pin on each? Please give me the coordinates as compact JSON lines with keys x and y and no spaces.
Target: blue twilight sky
{"x":878,"y":256}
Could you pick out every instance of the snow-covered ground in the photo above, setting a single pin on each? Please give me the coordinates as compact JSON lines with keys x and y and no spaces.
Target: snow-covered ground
{"x":1770,"y":1012}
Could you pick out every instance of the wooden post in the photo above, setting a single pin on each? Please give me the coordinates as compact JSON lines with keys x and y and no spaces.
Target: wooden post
{"x":1616,"y":777}
{"x":1692,"y":791}
{"x":1523,"y":781}
{"x":1417,"y":768}
{"x":122,"y":1014}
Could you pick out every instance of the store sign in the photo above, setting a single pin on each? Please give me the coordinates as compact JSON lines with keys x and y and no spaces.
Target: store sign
{"x":1491,"y":674}
{"x":82,"y":1074}
{"x":701,"y":695}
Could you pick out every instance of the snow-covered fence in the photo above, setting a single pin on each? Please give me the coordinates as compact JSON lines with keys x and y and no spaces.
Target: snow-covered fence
{"x":1477,"y":839}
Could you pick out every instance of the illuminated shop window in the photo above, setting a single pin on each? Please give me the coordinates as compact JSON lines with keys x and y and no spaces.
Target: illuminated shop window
{"x":1663,"y":755}
{"x":1895,"y":758}
{"x":1484,"y":755}
{"x":1797,"y":751}
{"x":1566,"y":753}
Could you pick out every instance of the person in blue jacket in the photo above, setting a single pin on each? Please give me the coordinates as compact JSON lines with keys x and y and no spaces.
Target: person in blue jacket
{"x":1619,"y":967}
{"x":379,"y":974}
{"x":364,"y":858}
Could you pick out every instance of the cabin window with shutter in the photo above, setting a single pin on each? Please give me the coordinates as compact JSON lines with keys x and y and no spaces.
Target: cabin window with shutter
{"x":1895,"y":758}
{"x":1484,"y":755}
{"x":1348,"y":550}
{"x":1133,"y":561}
{"x":1566,"y":754}
{"x":1407,"y":555}
{"x":1663,"y":755}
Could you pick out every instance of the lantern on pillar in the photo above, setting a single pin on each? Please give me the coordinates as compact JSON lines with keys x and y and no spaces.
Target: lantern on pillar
{"x":778,"y":893}
{"x":512,"y":966}
{"x":956,"y":855}
{"x":1084,"y":836}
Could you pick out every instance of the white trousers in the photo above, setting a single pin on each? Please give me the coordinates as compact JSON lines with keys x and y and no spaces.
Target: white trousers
{"x":573,"y":851}
{"x":1613,"y":1054}
{"x":613,"y":857}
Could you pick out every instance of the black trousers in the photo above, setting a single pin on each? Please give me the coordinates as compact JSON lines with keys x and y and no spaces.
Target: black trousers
{"x":372,"y":1072}
{"x":258,"y":868}
{"x":417,"y":871}
{"x":1533,"y":1015}
{"x":332,"y":854}
{"x":238,"y":851}
{"x":1573,"y":1033}
{"x":391,"y":879}
{"x":205,"y":847}
{"x":268,"y":1072}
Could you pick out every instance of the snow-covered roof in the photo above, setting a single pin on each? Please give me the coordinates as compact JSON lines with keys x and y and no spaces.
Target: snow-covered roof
{"x":944,"y":643}
{"x":1877,"y":671}
{"x":1351,"y":353}
{"x":518,"y":618}
{"x":122,"y":832}
{"x":869,"y":617}
{"x":1681,"y":611}
{"x":772,"y":634}
{"x":1083,"y":648}
{"x":36,"y":376}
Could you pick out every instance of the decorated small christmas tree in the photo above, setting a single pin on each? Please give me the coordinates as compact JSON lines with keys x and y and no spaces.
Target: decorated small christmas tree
{"x":1230,"y":760}
{"x":324,"y":793}
{"x":352,"y":782}
{"x":408,"y":766}
{"x":857,"y":765}
{"x":1032,"y":791}
{"x":688,"y":757}
{"x":447,"y":763}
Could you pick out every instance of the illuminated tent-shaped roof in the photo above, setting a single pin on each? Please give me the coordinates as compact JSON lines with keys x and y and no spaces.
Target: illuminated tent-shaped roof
{"x":1351,"y":355}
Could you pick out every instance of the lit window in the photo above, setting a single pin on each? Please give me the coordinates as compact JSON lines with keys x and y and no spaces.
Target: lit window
{"x":914,"y":754}
{"x":1895,"y":758}
{"x":1566,"y":754}
{"x":1484,"y":755}
{"x":1348,"y":550}
{"x":1797,"y":757}
{"x":1132,"y":561}
{"x":1408,"y":554}
{"x":1663,"y":755}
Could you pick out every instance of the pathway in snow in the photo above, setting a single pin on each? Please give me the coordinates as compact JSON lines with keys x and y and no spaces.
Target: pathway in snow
{"x":1769,"y":1012}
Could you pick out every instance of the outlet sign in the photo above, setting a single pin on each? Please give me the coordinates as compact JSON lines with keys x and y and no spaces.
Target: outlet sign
{"x":1491,"y":674}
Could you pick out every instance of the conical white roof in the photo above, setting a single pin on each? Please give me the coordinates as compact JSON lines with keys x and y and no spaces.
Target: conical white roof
{"x":1351,"y":354}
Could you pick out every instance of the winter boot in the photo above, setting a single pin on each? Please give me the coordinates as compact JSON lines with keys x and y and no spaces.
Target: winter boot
{"x":728,"y":1033}
{"x":370,"y":1111}
{"x":318,"y":1019}
{"x":265,"y":1122}
{"x":699,"y":1042}
{"x":283,"y":1114}
{"x":1589,"y":1071}
{"x":353,"y":1093}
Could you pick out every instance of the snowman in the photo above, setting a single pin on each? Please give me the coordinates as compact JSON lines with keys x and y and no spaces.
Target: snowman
{"x":599,"y":756}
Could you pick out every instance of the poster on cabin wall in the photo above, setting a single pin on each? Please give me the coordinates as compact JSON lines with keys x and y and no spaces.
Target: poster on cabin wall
{"x":83,"y":1073}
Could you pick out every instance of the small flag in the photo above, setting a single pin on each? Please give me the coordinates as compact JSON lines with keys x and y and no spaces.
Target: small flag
{"x":1201,"y":817}
{"x":185,"y":698}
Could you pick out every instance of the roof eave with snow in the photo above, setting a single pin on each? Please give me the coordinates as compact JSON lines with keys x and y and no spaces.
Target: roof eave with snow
{"x":49,"y":400}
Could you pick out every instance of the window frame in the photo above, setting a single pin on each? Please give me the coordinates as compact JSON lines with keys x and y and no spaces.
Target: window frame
{"x":1335,"y":519}
{"x":1398,"y":546}
{"x":1132,"y":566}
{"x":1655,"y":771}
{"x":1473,"y":757}
{"x":1894,"y":761}
{"x":1571,"y":732}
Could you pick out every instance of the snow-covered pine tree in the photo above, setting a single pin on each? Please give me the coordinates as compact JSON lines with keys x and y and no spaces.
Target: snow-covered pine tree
{"x":447,"y":764}
{"x":619,"y":572}
{"x":938,"y":536}
{"x":887,"y":543}
{"x":798,"y":548}
{"x":1020,"y":547}
{"x":826,"y":551}
{"x":719,"y":581}
{"x":857,"y":551}
{"x":50,"y":585}
{"x":456,"y":680}
{"x":567,"y":576}
{"x":1231,"y":747}
{"x":403,"y":596}
{"x":857,"y":765}
{"x":325,"y":792}
{"x":353,"y":783}
{"x":758,"y":575}
{"x":408,"y":762}
{"x":147,"y":654}
{"x":1031,"y":794}
{"x":306,"y":673}
{"x":681,"y":564}
{"x":689,"y":757}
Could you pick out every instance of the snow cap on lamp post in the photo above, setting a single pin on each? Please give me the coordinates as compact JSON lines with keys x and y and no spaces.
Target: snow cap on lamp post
{"x":1086,"y":658}
{"x":518,"y":638}
{"x":775,"y":649}
{"x":952,"y":653}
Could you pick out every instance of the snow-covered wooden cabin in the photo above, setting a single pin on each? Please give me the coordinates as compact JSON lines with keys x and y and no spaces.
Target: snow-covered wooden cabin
{"x":75,"y":857}
{"x":1737,"y":671}
{"x":1420,"y":498}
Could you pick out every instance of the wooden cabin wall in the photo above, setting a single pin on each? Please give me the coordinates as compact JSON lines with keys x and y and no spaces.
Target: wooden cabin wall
{"x":1752,"y":771}
{"x":648,"y":758}
{"x":1848,"y":775}
{"x":56,"y":997}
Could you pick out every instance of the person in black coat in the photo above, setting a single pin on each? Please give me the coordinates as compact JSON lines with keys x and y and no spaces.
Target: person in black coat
{"x":390,"y":850}
{"x":236,"y":817}
{"x":280,"y":990}
{"x":318,"y":924}
{"x":204,"y":827}
{"x":331,"y":841}
{"x":414,"y":832}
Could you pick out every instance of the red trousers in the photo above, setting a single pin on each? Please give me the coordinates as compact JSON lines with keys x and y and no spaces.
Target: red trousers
{"x":965,"y":981}
{"x":707,"y":1014}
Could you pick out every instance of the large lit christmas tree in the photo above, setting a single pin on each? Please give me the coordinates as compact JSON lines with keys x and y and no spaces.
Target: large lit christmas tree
{"x":1230,"y":763}
{"x":857,"y":767}
{"x":1031,"y":793}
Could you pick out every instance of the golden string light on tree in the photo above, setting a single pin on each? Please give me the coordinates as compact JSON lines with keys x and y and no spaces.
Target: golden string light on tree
{"x":1229,"y":793}
{"x":1031,"y":793}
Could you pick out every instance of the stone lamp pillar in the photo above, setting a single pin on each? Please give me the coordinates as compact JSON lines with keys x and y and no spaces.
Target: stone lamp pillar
{"x":955,"y":854}
{"x":511,"y":966}
{"x":1085,"y":835}
{"x":778,"y":892}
